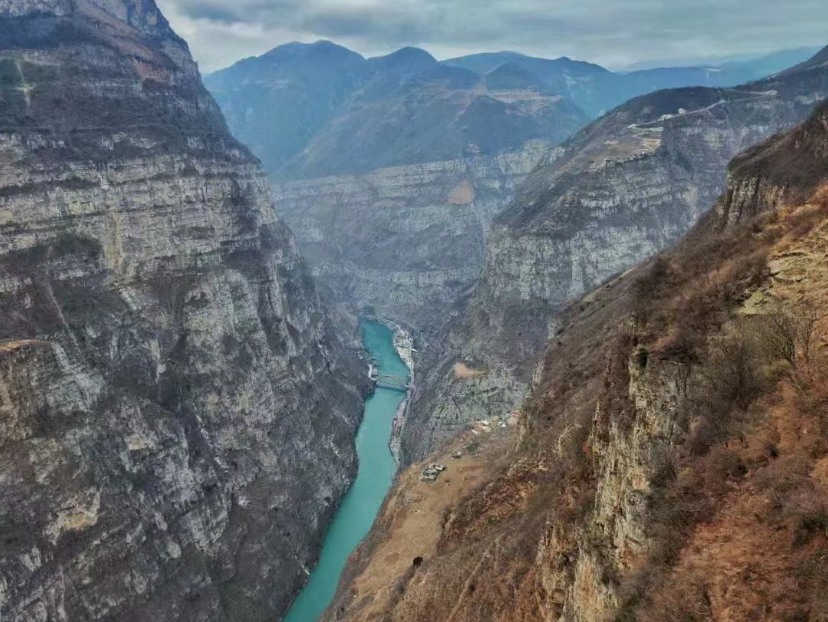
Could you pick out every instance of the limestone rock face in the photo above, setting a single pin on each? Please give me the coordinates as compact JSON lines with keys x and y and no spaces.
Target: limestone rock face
{"x":787,"y":168}
{"x":403,"y":242}
{"x":617,"y":192}
{"x":176,"y":415}
{"x":614,"y":539}
{"x":622,"y":191}
{"x":629,"y":448}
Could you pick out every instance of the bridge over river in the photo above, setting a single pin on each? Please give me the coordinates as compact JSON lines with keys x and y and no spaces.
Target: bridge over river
{"x":395,"y":383}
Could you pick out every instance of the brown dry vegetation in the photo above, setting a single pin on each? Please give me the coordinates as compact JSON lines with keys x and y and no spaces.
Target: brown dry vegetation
{"x":740,"y":524}
{"x":404,"y":546}
{"x":737,"y":508}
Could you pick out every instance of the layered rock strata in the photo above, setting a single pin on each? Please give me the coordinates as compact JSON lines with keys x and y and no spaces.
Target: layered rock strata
{"x":176,"y":415}
{"x":620,"y":190}
{"x":403,"y":242}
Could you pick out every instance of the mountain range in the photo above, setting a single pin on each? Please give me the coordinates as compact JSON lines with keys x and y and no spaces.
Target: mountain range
{"x":312,"y":110}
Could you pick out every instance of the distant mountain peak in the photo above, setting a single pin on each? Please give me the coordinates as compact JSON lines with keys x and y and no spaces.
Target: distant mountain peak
{"x":512,"y":76}
{"x":322,"y":49}
{"x":409,"y":52}
{"x":407,"y":56}
{"x":545,"y":68}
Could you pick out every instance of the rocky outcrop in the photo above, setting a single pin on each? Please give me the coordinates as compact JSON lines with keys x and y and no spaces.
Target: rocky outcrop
{"x":630,"y":450}
{"x":618,"y":191}
{"x":176,"y":415}
{"x":403,"y":242}
{"x":788,"y":168}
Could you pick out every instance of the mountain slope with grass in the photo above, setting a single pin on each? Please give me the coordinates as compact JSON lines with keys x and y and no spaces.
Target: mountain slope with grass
{"x":670,"y":462}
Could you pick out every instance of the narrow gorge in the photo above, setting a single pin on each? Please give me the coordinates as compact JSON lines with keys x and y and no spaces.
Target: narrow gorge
{"x":337,"y":337}
{"x":669,"y":462}
{"x":377,"y":469}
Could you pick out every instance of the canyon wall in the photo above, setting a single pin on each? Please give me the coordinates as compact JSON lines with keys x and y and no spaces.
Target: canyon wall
{"x":403,"y":242}
{"x":617,"y":192}
{"x":669,"y":461}
{"x":176,"y":414}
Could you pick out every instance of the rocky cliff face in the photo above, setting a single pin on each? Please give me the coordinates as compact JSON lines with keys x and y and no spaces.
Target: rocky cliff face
{"x":176,"y":415}
{"x":788,"y":168}
{"x":618,"y":191}
{"x":403,"y":242}
{"x":404,"y":163}
{"x":650,"y":483}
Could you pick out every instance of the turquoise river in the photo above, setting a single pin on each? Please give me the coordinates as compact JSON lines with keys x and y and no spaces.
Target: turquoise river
{"x":376,"y":473}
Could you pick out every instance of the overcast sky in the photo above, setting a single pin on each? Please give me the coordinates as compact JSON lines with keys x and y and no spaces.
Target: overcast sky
{"x":610,"y":32}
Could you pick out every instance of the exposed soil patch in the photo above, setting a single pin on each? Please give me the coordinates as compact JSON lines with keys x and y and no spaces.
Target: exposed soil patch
{"x":464,"y":372}
{"x":462,"y":193}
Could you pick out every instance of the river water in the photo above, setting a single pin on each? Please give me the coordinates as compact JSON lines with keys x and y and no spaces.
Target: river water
{"x":376,"y":473}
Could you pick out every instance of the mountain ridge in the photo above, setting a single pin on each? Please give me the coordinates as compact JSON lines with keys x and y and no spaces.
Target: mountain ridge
{"x":302,"y":101}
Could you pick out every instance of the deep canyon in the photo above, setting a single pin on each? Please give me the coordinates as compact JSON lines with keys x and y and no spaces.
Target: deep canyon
{"x":190,"y":306}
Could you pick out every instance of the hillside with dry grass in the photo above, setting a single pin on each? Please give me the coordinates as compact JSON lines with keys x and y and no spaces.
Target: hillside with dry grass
{"x":672,"y":461}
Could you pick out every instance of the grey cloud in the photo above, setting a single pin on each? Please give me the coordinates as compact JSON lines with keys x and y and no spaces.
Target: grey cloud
{"x":598,"y":30}
{"x":241,"y":11}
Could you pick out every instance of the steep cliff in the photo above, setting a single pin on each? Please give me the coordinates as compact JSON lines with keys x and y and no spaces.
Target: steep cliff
{"x":176,"y":415}
{"x":618,"y":191}
{"x":671,"y":460}
{"x":403,"y":242}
